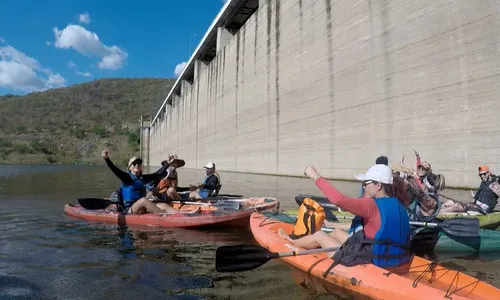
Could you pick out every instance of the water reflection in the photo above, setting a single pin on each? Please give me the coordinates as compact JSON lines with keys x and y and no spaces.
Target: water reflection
{"x":46,"y":254}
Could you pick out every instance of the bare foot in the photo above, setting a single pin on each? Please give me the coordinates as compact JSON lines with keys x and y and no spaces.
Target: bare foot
{"x":283,"y":234}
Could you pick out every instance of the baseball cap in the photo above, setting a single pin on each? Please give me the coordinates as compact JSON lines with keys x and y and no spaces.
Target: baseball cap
{"x":483,"y":168}
{"x":209,"y":165}
{"x":134,"y":159}
{"x":379,"y":173}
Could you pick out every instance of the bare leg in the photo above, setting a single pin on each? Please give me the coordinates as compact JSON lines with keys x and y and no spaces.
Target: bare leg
{"x":318,"y":239}
{"x":172,"y":193}
{"x":144,"y":204}
{"x":448,"y":203}
{"x":166,"y":208}
{"x":456,"y":207}
{"x":194,"y":195}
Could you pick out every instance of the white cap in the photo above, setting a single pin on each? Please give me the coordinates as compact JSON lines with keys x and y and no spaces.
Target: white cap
{"x":378,"y":173}
{"x":209,"y":165}
{"x":133,"y":159}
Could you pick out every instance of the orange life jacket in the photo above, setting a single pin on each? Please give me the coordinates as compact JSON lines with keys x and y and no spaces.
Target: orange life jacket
{"x":309,"y":219}
{"x":165,"y":184}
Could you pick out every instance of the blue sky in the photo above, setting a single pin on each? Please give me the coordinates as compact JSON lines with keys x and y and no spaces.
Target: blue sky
{"x":48,"y":44}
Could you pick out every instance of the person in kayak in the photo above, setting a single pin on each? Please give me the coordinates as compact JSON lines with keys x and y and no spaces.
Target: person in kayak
{"x":168,"y":187}
{"x":486,"y":196}
{"x":381,"y":160}
{"x":385,"y":231}
{"x":208,"y":186}
{"x":423,"y":169}
{"x":133,"y":186}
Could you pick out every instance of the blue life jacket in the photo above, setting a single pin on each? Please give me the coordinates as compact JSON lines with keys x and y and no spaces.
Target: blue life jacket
{"x":133,"y":192}
{"x":394,"y":227}
{"x":205,"y":193}
{"x":390,"y":246}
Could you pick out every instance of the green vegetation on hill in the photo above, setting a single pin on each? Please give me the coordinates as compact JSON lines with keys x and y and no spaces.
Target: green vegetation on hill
{"x":74,"y":124}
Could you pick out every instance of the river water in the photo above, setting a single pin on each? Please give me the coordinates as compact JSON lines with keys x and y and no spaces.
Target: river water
{"x":45,"y":254}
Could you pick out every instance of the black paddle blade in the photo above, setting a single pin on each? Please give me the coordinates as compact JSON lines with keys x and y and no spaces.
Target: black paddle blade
{"x":461,"y":227}
{"x":241,"y":258}
{"x":94,"y":203}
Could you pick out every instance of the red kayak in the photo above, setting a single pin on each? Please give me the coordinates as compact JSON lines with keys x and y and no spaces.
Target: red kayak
{"x":192,"y":215}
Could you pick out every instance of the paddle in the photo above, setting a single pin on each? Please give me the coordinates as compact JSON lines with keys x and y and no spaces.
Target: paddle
{"x":95,"y":203}
{"x":248,"y":257}
{"x":101,"y":203}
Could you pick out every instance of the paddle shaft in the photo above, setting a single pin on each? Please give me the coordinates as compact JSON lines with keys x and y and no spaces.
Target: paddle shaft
{"x":430,"y":225}
{"x":239,"y":258}
{"x":303,"y":252}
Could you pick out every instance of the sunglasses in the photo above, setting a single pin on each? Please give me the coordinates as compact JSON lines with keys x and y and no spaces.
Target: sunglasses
{"x":484,"y":174}
{"x":422,"y":168}
{"x":136,"y":163}
{"x":367,"y":182}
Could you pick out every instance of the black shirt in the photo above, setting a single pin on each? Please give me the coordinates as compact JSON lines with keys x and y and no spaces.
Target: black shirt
{"x":127,"y":180}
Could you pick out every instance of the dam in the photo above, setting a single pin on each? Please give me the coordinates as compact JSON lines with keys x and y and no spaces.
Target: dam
{"x":277,"y":85}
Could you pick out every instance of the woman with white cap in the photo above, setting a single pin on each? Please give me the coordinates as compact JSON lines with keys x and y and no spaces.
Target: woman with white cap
{"x":385,"y":234}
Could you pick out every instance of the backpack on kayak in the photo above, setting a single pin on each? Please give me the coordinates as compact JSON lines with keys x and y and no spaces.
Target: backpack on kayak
{"x":309,"y":219}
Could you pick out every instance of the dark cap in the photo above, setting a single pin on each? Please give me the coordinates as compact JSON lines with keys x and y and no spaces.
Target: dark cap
{"x":382,"y":160}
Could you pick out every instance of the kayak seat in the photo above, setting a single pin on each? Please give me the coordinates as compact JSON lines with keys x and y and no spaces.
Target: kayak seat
{"x":216,"y":190}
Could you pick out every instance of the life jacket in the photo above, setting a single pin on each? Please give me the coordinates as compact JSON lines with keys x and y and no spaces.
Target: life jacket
{"x":206,"y":192}
{"x":133,"y":192}
{"x":488,"y":193}
{"x":165,"y":184}
{"x":309,"y":219}
{"x":415,"y":211}
{"x":390,"y":246}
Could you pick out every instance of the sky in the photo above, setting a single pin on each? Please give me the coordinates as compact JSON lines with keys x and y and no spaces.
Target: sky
{"x":57,"y":43}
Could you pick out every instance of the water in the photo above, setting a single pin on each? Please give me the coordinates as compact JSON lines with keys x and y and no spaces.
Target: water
{"x":45,"y":254}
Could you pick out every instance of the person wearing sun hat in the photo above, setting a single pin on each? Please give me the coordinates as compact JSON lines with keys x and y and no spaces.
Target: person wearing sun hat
{"x":133,"y":185}
{"x":168,"y":187}
{"x":386,"y":230}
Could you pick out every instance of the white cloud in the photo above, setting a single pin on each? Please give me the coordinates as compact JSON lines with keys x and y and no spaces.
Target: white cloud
{"x":2,"y":40}
{"x":87,"y":43}
{"x":84,"y":74}
{"x":84,"y":18}
{"x":71,"y":64}
{"x":47,"y":43}
{"x":179,"y":68}
{"x":21,"y":72}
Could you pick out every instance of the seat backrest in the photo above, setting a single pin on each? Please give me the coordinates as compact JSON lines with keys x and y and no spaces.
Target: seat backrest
{"x":216,"y":190}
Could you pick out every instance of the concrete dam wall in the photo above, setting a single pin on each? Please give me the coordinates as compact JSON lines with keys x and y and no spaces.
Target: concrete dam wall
{"x":277,"y":85}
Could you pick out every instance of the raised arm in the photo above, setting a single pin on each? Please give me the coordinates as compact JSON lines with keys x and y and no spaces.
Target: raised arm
{"x":156,"y":175}
{"x":123,"y":176}
{"x":363,"y":207}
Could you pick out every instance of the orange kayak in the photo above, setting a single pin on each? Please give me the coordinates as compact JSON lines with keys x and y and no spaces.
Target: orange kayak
{"x":193,"y":215}
{"x":423,"y":281}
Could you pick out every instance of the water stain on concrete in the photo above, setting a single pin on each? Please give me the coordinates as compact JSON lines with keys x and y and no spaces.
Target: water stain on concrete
{"x":301,"y":29}
{"x":238,"y":46}
{"x":388,"y":82}
{"x":255,"y":35}
{"x":331,"y":78}
{"x":268,"y":70}
{"x":276,"y":80}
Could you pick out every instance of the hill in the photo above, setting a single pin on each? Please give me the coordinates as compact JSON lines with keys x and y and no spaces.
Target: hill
{"x":74,"y":124}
